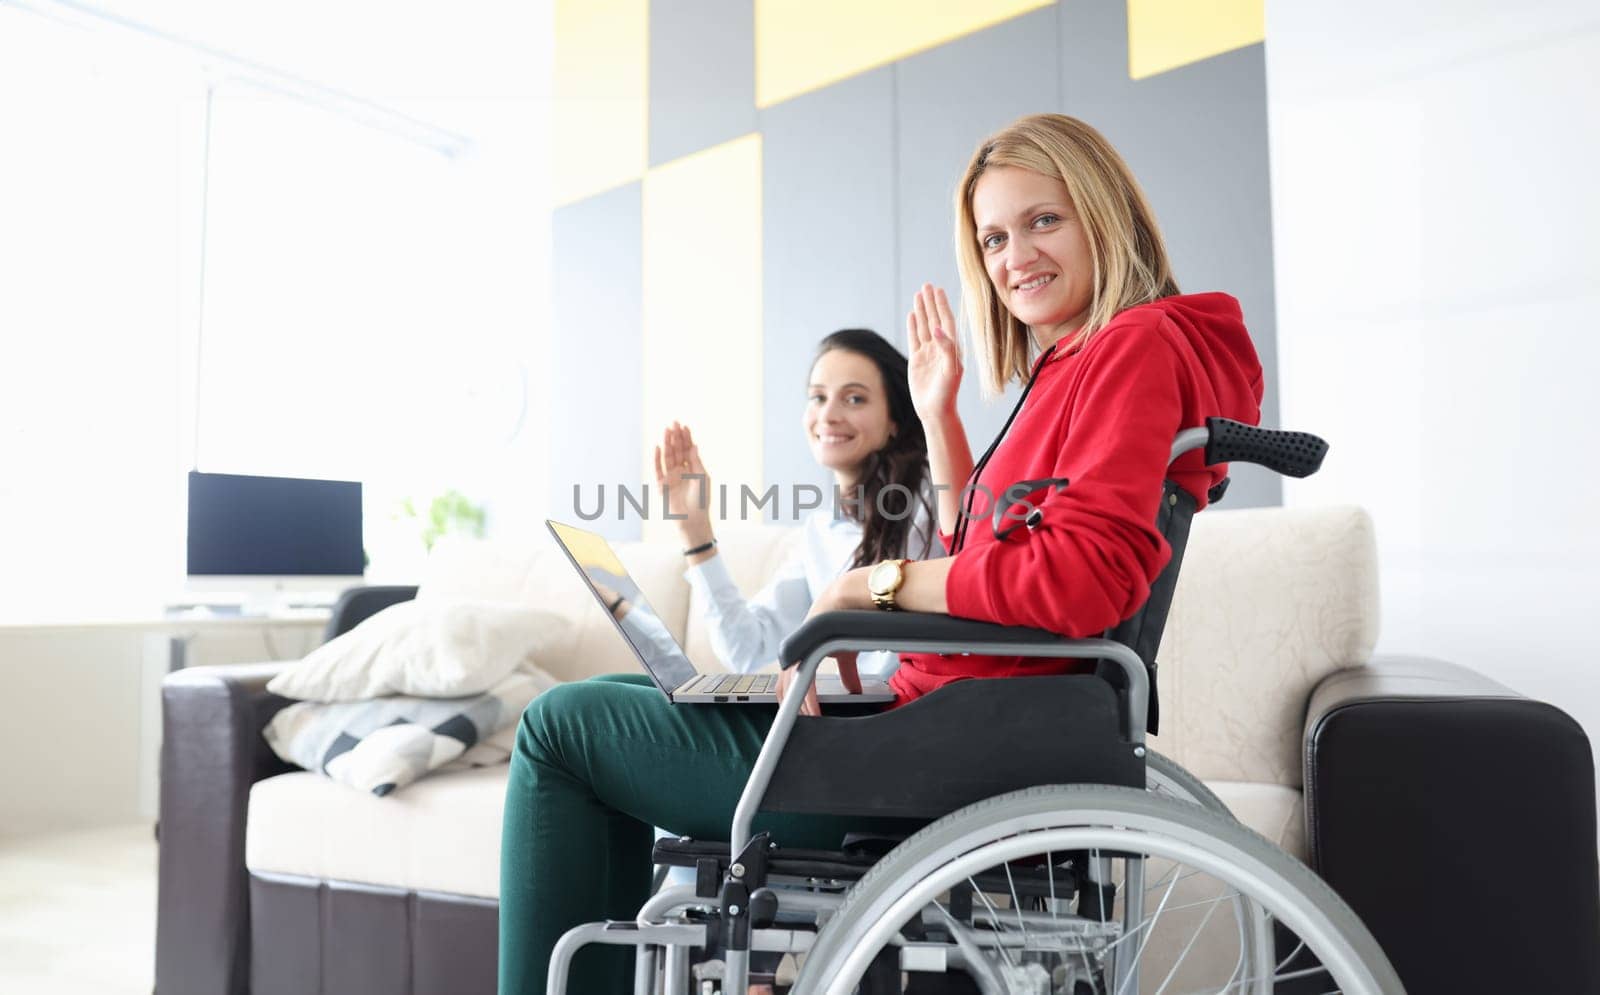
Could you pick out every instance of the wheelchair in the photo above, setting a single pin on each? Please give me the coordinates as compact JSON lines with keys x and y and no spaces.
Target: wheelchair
{"x":1059,"y":854}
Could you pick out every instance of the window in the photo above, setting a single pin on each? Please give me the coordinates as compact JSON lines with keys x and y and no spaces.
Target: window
{"x":371,"y":308}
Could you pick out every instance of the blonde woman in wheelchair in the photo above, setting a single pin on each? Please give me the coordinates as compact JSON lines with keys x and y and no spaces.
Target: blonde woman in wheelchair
{"x":1026,"y":880}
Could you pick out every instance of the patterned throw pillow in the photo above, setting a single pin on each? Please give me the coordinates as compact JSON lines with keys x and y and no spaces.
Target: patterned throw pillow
{"x":386,"y":743}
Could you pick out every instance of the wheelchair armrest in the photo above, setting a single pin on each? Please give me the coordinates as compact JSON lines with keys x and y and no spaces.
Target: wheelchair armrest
{"x":880,"y":630}
{"x":933,"y":632}
{"x":1418,"y":773}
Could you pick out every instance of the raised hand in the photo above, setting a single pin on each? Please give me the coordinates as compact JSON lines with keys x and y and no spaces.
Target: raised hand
{"x":685,"y":484}
{"x":935,"y":361}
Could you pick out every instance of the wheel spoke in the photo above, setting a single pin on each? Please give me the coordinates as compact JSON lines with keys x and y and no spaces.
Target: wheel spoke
{"x":1144,"y":940}
{"x":1163,"y":881}
{"x":993,"y":912}
{"x":1088,"y":968}
{"x":1099,"y":899}
{"x":1050,"y":864}
{"x":1146,"y":922}
{"x":1016,"y":905}
{"x":1190,"y":945}
{"x":1292,"y":954}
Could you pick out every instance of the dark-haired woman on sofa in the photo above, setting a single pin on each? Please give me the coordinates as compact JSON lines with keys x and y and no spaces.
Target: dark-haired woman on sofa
{"x":860,"y":424}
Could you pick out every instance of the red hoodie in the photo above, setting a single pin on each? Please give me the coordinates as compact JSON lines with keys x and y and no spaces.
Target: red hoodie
{"x":1103,"y":417}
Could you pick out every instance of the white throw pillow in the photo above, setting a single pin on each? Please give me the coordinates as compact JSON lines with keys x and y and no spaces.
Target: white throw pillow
{"x":422,"y":649}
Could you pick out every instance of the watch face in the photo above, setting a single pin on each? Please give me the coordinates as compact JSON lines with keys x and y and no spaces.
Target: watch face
{"x":882,"y":577}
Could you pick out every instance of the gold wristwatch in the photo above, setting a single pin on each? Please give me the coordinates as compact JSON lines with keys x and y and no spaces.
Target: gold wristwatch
{"x":884,"y":582}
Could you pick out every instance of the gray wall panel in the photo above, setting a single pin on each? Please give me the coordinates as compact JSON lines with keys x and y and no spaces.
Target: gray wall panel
{"x":857,"y":185}
{"x":828,"y":228}
{"x":948,"y":100}
{"x":1196,"y":137}
{"x":595,"y":409}
{"x":702,"y":75}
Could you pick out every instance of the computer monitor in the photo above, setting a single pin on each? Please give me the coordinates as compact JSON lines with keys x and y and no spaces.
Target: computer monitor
{"x":266,"y":538}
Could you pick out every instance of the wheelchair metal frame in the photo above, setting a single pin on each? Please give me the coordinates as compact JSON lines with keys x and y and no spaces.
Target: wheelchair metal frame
{"x":648,"y":932}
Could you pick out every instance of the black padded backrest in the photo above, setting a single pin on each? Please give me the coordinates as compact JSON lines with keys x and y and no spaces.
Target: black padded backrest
{"x":1141,"y":631}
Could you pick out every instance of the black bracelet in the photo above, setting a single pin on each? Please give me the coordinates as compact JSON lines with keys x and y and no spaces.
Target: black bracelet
{"x":704,"y":547}
{"x":612,"y":607}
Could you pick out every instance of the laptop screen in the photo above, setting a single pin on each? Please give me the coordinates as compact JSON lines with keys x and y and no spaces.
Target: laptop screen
{"x":639,"y":624}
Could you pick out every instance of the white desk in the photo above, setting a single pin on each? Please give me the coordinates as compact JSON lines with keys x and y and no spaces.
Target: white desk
{"x":92,"y":688}
{"x":179,"y":628}
{"x":156,"y":618}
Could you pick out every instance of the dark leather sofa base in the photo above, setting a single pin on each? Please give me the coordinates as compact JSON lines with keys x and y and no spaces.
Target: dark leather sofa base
{"x":314,"y":937}
{"x":1458,"y":820}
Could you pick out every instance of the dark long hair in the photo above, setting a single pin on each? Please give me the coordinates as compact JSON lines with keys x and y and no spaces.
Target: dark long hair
{"x":903,"y":460}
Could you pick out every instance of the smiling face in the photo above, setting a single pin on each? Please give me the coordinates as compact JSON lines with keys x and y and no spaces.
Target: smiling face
{"x":1034,"y":249}
{"x":846,"y":416}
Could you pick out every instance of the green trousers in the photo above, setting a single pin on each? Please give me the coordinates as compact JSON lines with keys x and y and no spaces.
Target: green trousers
{"x":598,"y":764}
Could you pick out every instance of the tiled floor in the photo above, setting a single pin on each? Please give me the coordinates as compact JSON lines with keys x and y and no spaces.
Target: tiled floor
{"x":78,"y":912}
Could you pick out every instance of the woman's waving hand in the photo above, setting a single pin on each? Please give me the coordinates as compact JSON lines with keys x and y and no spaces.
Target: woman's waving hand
{"x":935,"y":361}
{"x":935,"y":375}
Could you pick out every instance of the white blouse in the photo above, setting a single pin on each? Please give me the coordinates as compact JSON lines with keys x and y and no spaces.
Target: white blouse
{"x":748,"y":634}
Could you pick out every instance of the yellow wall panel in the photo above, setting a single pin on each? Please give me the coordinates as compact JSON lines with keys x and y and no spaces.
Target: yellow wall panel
{"x":601,"y":85}
{"x":1166,"y":34}
{"x":702,"y":314}
{"x":803,"y":45}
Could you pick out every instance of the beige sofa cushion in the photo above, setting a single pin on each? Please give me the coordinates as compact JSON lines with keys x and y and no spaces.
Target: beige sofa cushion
{"x":1270,"y":601}
{"x":443,"y":832}
{"x":1276,"y":812}
{"x":540,"y":576}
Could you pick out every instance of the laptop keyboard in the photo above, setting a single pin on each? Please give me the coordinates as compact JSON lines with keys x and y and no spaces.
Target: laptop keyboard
{"x":732,"y":684}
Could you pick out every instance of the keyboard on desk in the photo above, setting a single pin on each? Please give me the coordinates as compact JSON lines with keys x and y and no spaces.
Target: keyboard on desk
{"x":745,"y":684}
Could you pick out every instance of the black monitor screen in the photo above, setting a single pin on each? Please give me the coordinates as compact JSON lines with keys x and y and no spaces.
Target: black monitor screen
{"x":273,"y":526}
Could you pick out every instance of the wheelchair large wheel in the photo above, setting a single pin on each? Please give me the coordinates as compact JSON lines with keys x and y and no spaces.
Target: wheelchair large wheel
{"x":1082,"y":889}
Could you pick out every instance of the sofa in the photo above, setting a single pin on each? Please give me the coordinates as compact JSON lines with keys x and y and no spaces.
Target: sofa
{"x":1441,"y":805}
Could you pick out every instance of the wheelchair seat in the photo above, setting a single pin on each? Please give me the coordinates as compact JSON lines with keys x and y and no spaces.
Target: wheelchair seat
{"x":1023,"y":738}
{"x":967,"y":740}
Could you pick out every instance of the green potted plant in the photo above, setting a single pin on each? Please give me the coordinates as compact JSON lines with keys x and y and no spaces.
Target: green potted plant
{"x":449,"y":513}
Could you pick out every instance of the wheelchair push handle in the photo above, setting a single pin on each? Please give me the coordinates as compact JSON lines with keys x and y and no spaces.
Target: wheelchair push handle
{"x":1293,"y":454}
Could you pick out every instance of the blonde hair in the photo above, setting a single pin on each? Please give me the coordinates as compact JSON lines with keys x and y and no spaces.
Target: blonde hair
{"x":1130,"y":259}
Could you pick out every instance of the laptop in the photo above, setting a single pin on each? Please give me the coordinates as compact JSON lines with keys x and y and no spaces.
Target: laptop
{"x":658,"y":651}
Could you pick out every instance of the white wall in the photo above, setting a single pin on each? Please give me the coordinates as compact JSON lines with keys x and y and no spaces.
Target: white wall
{"x":101,"y":134}
{"x":1437,"y":240}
